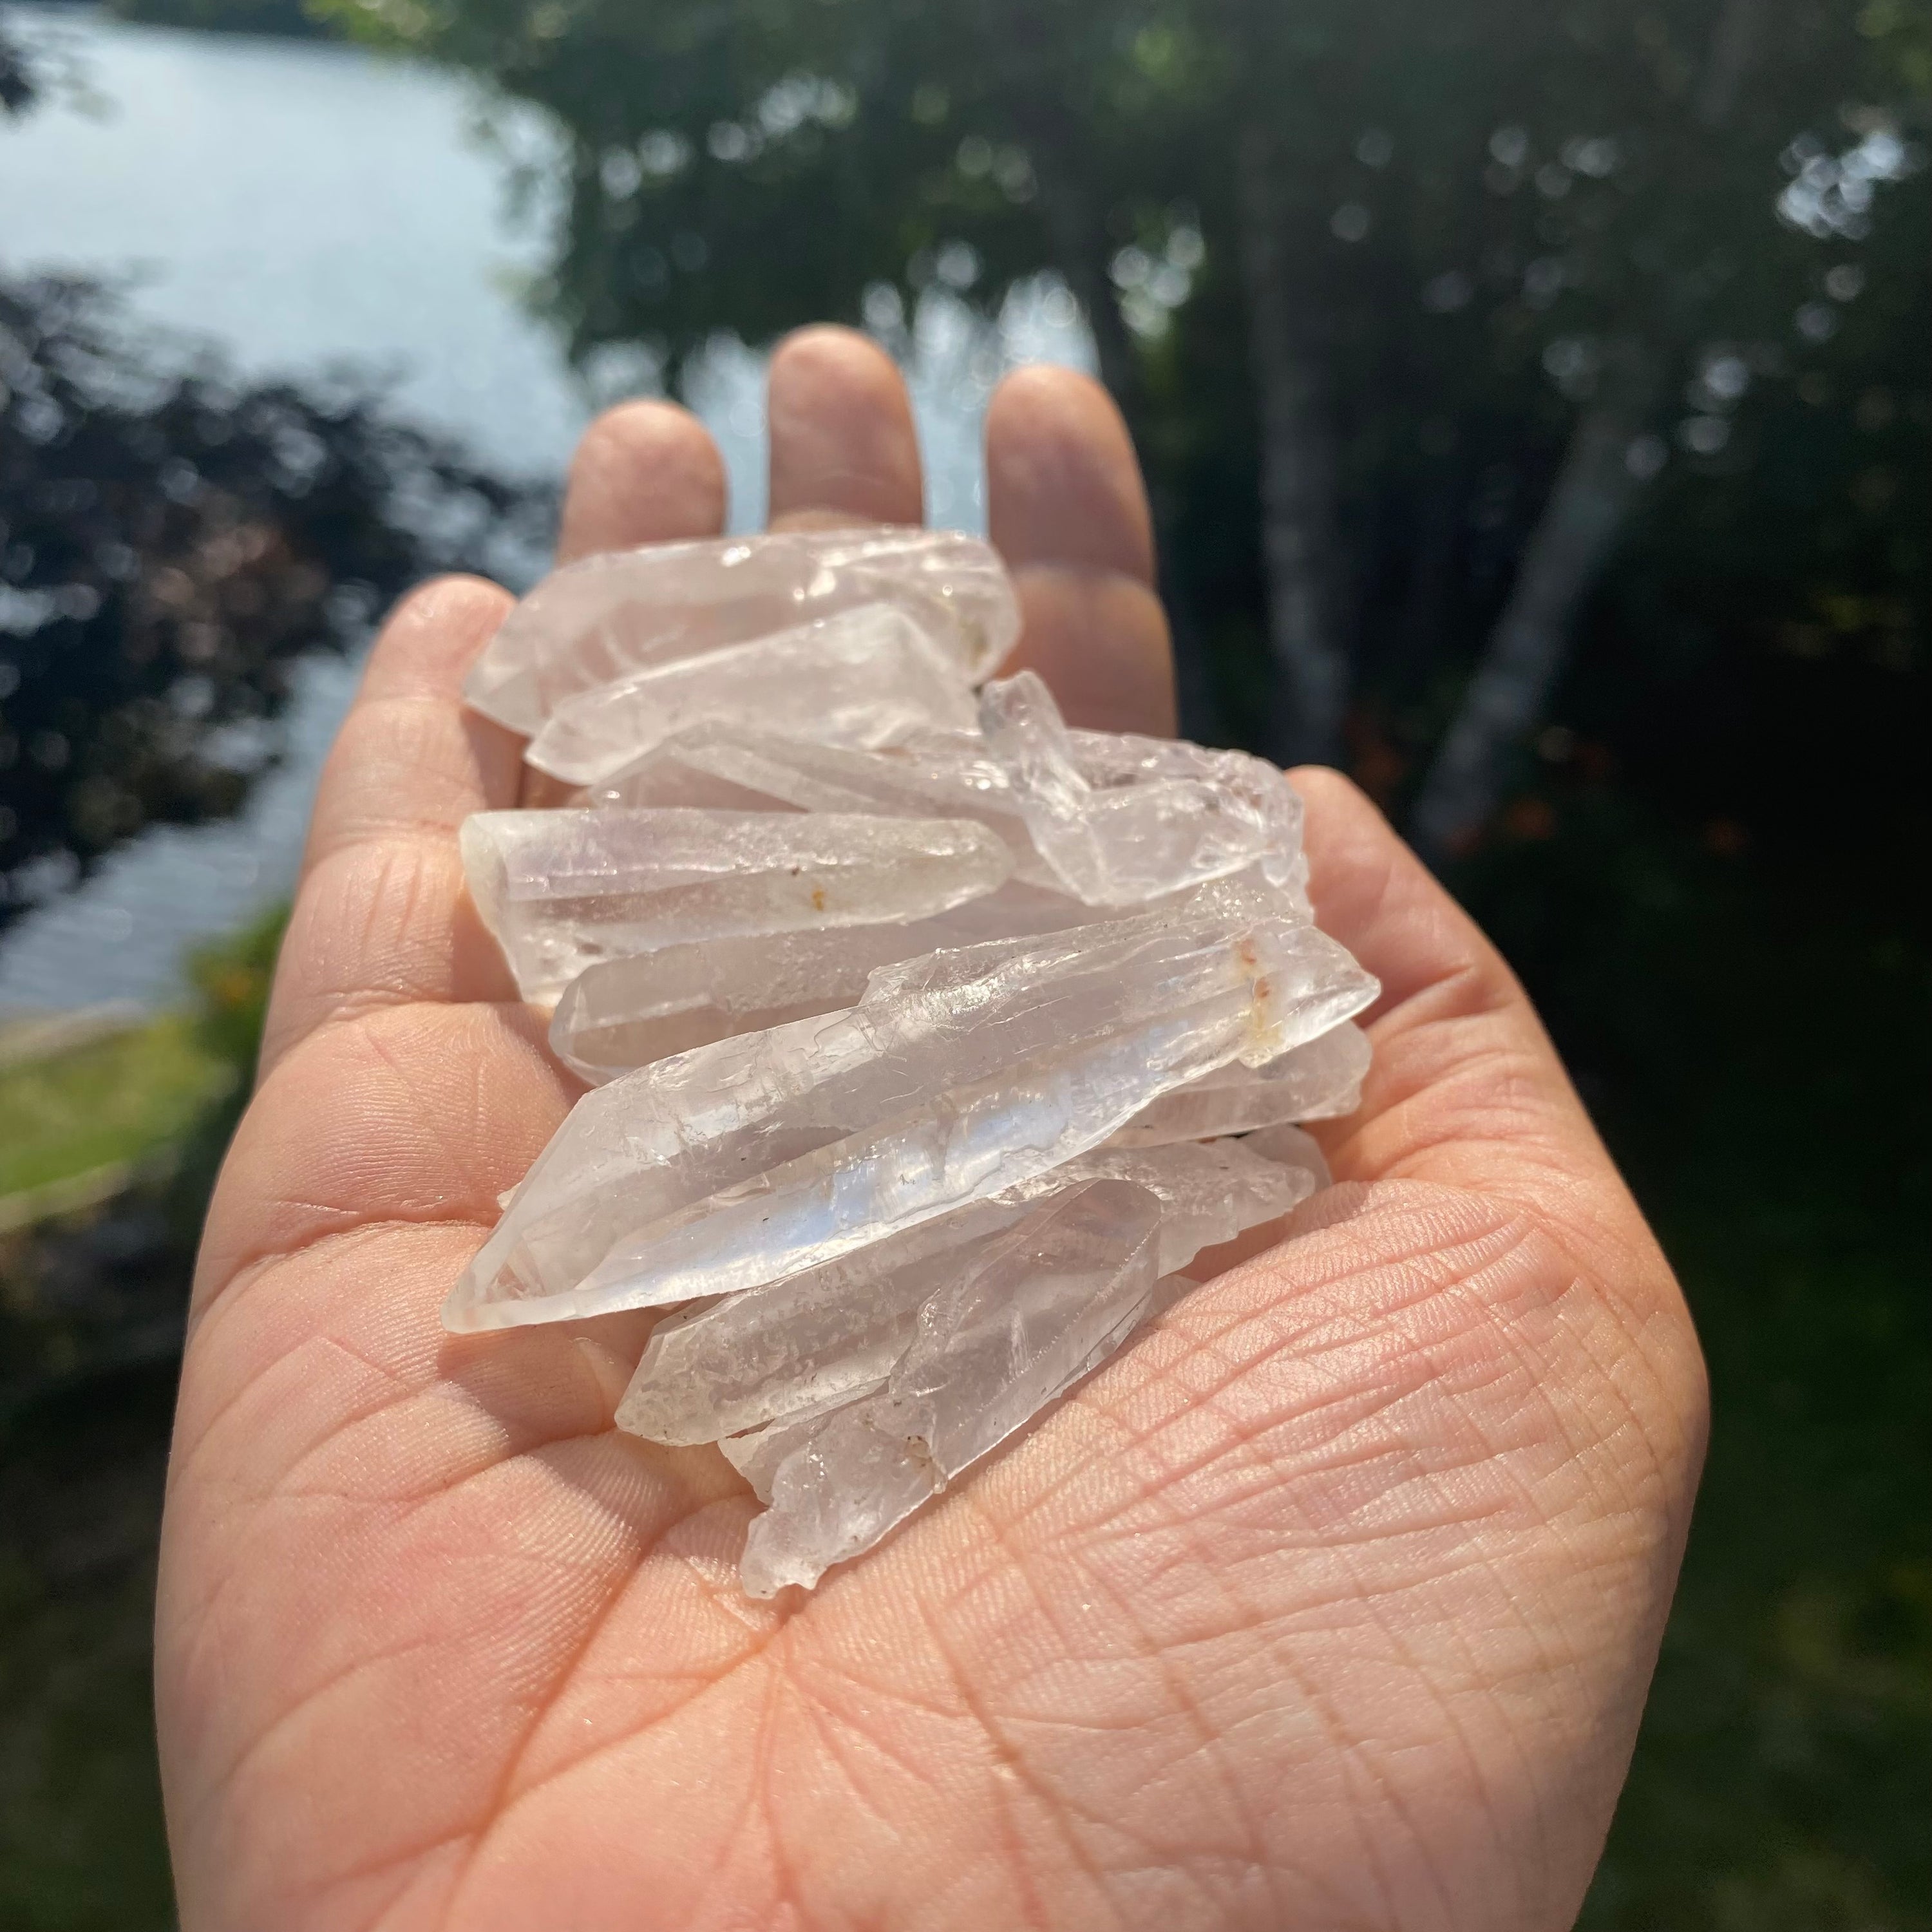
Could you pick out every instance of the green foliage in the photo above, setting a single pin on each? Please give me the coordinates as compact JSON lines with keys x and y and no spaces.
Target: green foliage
{"x":1493,"y":217}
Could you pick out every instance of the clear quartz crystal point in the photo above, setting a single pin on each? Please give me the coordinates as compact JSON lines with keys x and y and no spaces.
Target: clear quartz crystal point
{"x":793,"y":1349}
{"x":1314,"y":1082}
{"x":1038,"y":1308}
{"x":561,"y":890}
{"x":597,"y":620}
{"x":1145,"y":828}
{"x":865,"y":677}
{"x":624,"y":1013}
{"x":958,"y":1074}
{"x":928,"y":775}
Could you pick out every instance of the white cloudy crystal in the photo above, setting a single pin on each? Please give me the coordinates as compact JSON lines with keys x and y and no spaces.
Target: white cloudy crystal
{"x":958,"y":1074}
{"x":597,"y":620}
{"x":1044,"y":1304}
{"x":1314,"y":1082}
{"x":561,"y":890}
{"x":1141,"y":831}
{"x":791,"y":1348}
{"x":865,"y":677}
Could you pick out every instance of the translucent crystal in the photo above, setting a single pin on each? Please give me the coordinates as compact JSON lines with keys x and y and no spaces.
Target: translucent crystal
{"x":597,"y":620}
{"x":958,"y":1074}
{"x":865,"y":677}
{"x":929,"y":775}
{"x":792,"y":1348}
{"x":1143,"y":829}
{"x":1293,"y":1148}
{"x":758,"y":1454}
{"x":1197,"y":814}
{"x":1109,"y":760}
{"x":561,"y":890}
{"x":1314,"y":1082}
{"x":1038,"y":1309}
{"x":624,"y":1013}
{"x":800,"y":1347}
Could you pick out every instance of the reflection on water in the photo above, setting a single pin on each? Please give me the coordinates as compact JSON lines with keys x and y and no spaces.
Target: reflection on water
{"x":303,"y":205}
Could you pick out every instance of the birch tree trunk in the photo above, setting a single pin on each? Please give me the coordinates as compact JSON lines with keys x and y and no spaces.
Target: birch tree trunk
{"x":1299,"y":536}
{"x":1595,"y":490}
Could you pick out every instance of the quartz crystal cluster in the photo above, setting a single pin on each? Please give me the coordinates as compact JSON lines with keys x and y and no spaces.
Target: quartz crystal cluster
{"x":929,"y":1040}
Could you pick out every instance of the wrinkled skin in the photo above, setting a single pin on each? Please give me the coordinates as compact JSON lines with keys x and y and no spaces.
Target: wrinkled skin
{"x":1331,"y":1603}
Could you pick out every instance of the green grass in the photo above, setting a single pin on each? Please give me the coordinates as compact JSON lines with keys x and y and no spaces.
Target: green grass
{"x":115,"y":1100}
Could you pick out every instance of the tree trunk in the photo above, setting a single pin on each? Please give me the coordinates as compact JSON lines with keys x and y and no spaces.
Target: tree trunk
{"x":1573,"y":539}
{"x":1734,"y":43}
{"x":1082,"y":253}
{"x":1594,"y":492}
{"x":1299,"y":541}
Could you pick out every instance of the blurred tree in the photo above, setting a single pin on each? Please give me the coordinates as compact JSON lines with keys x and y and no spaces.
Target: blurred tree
{"x":172,"y":542}
{"x":1453,"y":282}
{"x":19,"y":81}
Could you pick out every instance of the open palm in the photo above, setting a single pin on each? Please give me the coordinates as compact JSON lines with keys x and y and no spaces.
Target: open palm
{"x":1332,"y":1602}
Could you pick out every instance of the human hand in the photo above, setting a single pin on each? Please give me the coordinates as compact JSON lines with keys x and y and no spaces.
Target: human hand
{"x":1331,"y":1602}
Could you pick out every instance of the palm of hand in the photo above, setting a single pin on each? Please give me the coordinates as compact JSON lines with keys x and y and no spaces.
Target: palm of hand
{"x":1333,"y":1602}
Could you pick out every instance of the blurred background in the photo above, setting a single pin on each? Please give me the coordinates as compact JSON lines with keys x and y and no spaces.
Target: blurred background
{"x":1535,"y":395}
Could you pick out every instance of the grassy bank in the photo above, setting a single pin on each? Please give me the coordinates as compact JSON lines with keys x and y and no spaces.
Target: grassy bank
{"x":109,"y":1102}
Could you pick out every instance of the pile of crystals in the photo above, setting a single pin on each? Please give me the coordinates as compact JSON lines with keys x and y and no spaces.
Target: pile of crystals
{"x":920,"y":1028}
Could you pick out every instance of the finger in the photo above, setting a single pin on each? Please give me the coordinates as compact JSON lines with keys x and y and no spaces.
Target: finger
{"x":1465,"y":1088}
{"x":1067,"y":510}
{"x":380,"y":916}
{"x":843,"y":447}
{"x":645,"y":472}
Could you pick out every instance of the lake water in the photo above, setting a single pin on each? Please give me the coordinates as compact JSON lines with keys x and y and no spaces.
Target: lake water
{"x":302,"y":205}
